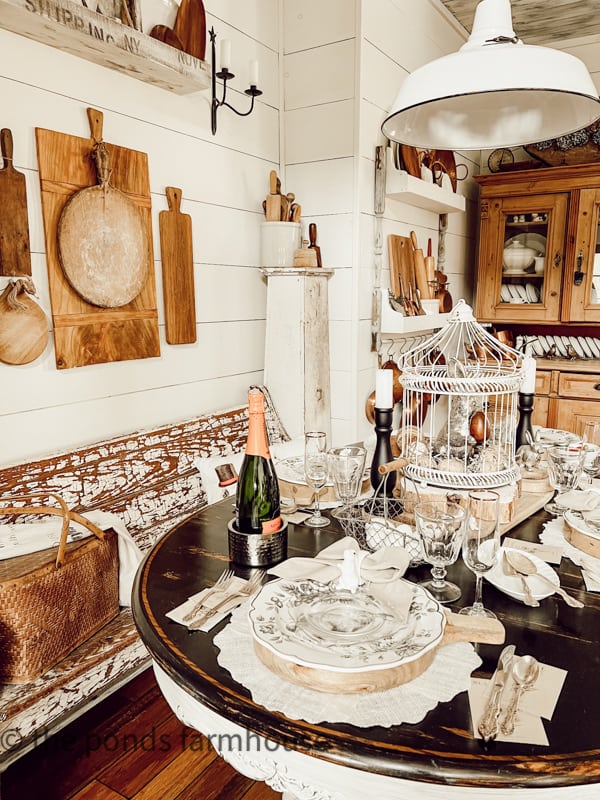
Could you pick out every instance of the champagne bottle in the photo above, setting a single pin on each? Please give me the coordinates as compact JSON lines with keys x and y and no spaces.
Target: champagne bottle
{"x":257,"y":498}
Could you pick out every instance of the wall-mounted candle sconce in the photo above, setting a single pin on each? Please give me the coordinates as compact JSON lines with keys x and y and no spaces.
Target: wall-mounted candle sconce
{"x":225,"y":75}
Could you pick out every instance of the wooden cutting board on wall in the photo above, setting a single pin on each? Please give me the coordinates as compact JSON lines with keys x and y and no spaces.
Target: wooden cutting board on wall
{"x":177,"y":271}
{"x":85,"y":334}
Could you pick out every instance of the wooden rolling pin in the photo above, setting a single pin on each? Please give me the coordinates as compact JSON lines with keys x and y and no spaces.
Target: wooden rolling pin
{"x":430,"y":269}
{"x":420,"y":269}
{"x":273,"y":202}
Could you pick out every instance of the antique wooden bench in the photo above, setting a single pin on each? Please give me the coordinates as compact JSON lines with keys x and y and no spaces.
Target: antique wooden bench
{"x":150,"y":480}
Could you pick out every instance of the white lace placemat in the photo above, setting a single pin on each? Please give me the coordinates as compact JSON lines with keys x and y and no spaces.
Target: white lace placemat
{"x":449,"y":674}
{"x":554,"y":535}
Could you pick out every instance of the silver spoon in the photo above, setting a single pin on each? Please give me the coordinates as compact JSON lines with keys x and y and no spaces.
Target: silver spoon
{"x":525,"y":566}
{"x":525,"y":671}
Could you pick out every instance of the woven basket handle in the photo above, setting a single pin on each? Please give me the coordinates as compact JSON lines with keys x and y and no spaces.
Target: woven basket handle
{"x":61,"y":511}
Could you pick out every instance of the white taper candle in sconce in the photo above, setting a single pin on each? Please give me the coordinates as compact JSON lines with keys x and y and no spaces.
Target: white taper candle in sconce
{"x":253,"y":69}
{"x":528,"y":379}
{"x":384,"y":392}
{"x":225,"y":53}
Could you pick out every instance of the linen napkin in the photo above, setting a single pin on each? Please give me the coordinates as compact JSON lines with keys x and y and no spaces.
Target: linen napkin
{"x":554,"y":535}
{"x":579,"y":500}
{"x":385,"y":564}
{"x":214,"y":596}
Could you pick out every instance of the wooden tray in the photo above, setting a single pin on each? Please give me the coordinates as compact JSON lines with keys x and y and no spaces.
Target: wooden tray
{"x":459,"y":628}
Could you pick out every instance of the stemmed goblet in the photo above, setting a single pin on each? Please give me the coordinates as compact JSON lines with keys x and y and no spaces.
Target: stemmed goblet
{"x":565,"y":465}
{"x":316,"y":473}
{"x":481,"y":543}
{"x":440,"y":526}
{"x":347,"y":466}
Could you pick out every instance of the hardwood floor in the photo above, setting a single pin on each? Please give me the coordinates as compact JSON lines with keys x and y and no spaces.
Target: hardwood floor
{"x":129,"y":746}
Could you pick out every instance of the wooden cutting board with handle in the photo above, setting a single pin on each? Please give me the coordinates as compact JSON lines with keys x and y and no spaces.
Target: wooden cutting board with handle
{"x":402,"y":272}
{"x":83,"y":333}
{"x":15,"y":256}
{"x":458,"y":628}
{"x":177,"y":271}
{"x":420,"y":268}
{"x":190,"y":27}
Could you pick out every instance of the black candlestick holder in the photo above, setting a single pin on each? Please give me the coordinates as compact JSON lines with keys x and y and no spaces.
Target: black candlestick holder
{"x":383,"y":485}
{"x":225,"y":75}
{"x":524,"y":433}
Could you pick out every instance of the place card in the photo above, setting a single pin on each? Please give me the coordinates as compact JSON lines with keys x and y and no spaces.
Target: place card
{"x":547,"y":553}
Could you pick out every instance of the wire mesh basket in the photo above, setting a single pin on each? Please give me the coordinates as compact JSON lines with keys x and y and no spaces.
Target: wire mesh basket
{"x":376,"y":523}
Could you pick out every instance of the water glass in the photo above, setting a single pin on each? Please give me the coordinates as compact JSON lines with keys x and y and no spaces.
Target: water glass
{"x":440,"y":526}
{"x":316,"y":473}
{"x":347,"y":467}
{"x":565,"y":466}
{"x":481,"y":543}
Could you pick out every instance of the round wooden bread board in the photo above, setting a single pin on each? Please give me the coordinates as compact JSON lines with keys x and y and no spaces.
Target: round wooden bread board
{"x":587,"y":544}
{"x":23,"y":331}
{"x":458,"y":628}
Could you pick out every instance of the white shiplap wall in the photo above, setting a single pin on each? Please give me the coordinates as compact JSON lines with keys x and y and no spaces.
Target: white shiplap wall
{"x":344,"y":62}
{"x":223,"y":179}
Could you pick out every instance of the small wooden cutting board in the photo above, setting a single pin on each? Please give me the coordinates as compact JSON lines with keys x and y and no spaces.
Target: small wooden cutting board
{"x":190,"y":28}
{"x":15,"y":256}
{"x":177,"y":271}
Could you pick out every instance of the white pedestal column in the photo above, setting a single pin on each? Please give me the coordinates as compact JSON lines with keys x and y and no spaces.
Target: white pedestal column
{"x":297,"y":348}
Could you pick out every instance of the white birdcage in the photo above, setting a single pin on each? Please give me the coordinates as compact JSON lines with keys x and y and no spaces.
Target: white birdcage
{"x":459,"y":408}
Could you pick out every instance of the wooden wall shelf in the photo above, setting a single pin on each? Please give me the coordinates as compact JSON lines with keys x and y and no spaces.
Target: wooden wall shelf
{"x":408,"y":189}
{"x":395,"y":322}
{"x":77,"y":30}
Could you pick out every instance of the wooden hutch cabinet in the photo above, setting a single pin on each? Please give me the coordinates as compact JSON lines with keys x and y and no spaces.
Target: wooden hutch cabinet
{"x":551,"y":217}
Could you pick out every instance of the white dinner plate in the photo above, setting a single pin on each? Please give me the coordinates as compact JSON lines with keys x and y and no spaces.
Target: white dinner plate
{"x":522,"y":292}
{"x":577,"y":346}
{"x":537,"y":348}
{"x":533,"y":240}
{"x":532,"y":293}
{"x":512,"y":585}
{"x":310,"y":624}
{"x":586,"y":346}
{"x":505,"y":293}
{"x":560,"y":345}
{"x":515,"y":297}
{"x":594,"y":345}
{"x":544,"y":343}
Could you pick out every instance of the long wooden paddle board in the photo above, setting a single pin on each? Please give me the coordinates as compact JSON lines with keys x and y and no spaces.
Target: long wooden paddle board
{"x":15,"y":255}
{"x":177,"y":271}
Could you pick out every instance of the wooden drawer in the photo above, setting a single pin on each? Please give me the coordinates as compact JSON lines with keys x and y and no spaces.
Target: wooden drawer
{"x":577,"y":385}
{"x":571,"y":415}
{"x":542,"y":382}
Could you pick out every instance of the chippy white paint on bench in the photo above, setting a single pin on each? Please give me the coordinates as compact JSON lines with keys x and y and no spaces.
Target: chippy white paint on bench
{"x":149,"y":479}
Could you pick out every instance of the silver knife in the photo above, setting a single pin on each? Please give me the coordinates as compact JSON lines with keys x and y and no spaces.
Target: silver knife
{"x":488,"y":724}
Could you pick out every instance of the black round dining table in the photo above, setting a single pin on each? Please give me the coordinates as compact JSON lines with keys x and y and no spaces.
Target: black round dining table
{"x":440,"y":757}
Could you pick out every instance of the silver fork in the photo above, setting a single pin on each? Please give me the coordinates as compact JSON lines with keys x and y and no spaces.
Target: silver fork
{"x":253,"y":585}
{"x":217,"y":586}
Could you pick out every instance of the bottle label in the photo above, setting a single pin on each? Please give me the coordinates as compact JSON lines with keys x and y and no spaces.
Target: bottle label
{"x":271,"y":525}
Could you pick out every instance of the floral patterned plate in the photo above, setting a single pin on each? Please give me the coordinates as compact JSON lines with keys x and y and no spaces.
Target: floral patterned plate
{"x":311,"y":624}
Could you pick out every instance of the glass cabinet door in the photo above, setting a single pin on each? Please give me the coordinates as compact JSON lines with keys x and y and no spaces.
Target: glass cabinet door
{"x":582,"y":285}
{"x":523,"y":244}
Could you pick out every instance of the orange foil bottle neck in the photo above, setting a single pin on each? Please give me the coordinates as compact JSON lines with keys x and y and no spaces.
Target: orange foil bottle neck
{"x":257,"y":443}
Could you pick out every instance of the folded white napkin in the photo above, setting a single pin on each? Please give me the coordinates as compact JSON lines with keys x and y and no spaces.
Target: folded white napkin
{"x":578,"y":500}
{"x":21,"y":538}
{"x":554,"y":535}
{"x":214,"y":596}
{"x":385,"y":564}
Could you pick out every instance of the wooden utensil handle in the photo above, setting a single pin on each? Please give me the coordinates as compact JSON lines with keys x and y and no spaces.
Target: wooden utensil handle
{"x":96,"y":120}
{"x":273,"y":182}
{"x":174,"y":198}
{"x":6,"y":141}
{"x":392,"y":466}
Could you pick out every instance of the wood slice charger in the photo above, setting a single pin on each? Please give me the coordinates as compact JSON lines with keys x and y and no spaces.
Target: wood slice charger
{"x":102,"y":242}
{"x":457,"y":629}
{"x":23,"y":325}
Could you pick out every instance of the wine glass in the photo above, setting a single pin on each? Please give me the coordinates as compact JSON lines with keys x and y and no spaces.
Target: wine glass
{"x":481,"y":543}
{"x":315,"y":472}
{"x":591,"y":442}
{"x":440,"y":525}
{"x":347,"y":466}
{"x":565,"y":465}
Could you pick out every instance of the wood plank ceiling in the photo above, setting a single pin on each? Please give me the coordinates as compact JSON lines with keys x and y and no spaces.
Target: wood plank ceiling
{"x":540,"y":21}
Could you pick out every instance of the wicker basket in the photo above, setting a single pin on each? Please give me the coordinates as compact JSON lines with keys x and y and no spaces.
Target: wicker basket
{"x":51,"y":602}
{"x":374,"y":524}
